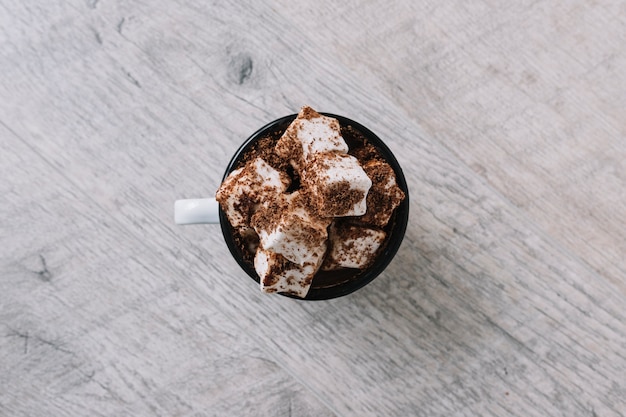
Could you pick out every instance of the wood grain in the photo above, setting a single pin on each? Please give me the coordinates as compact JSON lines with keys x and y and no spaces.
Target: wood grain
{"x":530,"y":96}
{"x":506,"y":298}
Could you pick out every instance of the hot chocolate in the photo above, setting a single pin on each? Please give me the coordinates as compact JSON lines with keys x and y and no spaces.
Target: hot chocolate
{"x":310,"y":205}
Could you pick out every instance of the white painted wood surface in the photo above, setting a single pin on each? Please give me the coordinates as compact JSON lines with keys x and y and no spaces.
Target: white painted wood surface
{"x":508,"y":296}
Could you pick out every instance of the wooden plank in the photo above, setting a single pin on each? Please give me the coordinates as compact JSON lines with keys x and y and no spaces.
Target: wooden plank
{"x":92,"y":322}
{"x":112,"y":111}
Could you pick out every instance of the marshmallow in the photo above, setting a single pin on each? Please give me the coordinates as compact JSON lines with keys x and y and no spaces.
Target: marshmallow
{"x":337,"y":184}
{"x":248,"y":188}
{"x":384,"y":196}
{"x":278,"y":274}
{"x":352,"y":246}
{"x":291,"y":229}
{"x":309,"y":134}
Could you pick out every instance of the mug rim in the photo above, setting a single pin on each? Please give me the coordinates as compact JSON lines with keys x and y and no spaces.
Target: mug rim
{"x":394,"y":241}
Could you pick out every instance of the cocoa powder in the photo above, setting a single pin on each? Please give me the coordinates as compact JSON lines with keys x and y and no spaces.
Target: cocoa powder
{"x":342,"y":197}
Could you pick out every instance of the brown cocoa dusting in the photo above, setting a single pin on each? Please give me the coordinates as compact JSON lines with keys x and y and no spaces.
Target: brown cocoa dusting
{"x":308,"y":113}
{"x":247,"y":205}
{"x":305,"y":199}
{"x":381,"y":201}
{"x":247,"y":241}
{"x":264,"y":149}
{"x":268,"y":217}
{"x":344,"y":230}
{"x":360,"y":148}
{"x":340,"y":198}
{"x":287,"y":147}
{"x":306,"y":234}
{"x":276,"y":269}
{"x":358,"y":145}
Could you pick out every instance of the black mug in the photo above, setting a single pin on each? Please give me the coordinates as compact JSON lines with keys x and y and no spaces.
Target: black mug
{"x":326,"y":284}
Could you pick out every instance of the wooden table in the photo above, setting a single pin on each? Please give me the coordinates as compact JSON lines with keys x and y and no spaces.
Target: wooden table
{"x":507,"y":297}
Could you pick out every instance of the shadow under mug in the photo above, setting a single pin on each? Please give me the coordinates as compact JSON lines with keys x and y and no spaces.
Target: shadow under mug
{"x":326,"y":285}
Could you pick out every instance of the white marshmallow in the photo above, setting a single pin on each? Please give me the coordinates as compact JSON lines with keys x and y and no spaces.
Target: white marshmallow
{"x":352,"y":246}
{"x":248,"y":188}
{"x":296,"y":234}
{"x":338,"y":185}
{"x":384,"y":196}
{"x":321,"y":134}
{"x":277,"y":274}
{"x":309,"y":134}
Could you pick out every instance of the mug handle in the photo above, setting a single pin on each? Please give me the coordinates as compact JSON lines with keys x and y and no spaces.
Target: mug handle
{"x":196,"y":211}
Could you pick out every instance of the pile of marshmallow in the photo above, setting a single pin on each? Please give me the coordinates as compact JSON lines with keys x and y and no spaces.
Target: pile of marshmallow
{"x":300,"y":232}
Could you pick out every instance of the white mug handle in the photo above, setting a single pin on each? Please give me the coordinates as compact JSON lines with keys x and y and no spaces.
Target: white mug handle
{"x":196,"y":211}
